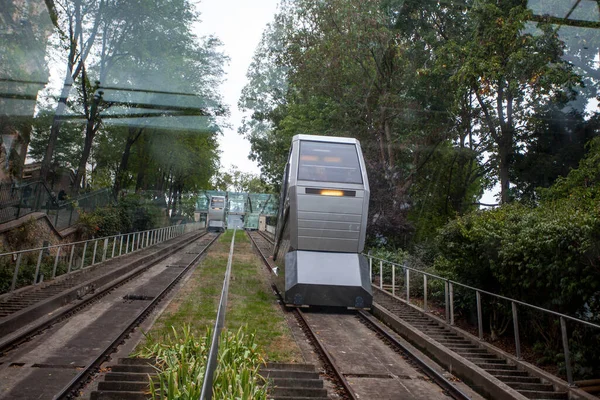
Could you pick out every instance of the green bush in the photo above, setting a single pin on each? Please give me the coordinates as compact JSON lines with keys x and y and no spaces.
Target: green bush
{"x":547,"y":255}
{"x":131,"y":214}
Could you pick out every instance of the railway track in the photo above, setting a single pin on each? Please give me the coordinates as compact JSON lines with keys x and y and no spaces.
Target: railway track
{"x":60,"y":361}
{"x":355,"y":353}
{"x":37,"y":307}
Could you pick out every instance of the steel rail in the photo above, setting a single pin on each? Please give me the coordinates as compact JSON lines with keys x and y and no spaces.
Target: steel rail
{"x":320,"y":347}
{"x":69,"y":311}
{"x":211,"y":364}
{"x":339,"y":376}
{"x":265,"y":237}
{"x":434,"y":375}
{"x":79,"y":379}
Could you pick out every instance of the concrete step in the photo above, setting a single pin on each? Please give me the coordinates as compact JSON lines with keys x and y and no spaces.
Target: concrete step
{"x":423,"y":325}
{"x":486,"y":365}
{"x":505,"y":372}
{"x":147,"y":369}
{"x":431,"y":329}
{"x":455,"y":341}
{"x":291,"y":367}
{"x":136,"y":361}
{"x":538,"y":387}
{"x":297,"y":383}
{"x":298,"y":392}
{"x":272,"y":373}
{"x":486,"y":360}
{"x":532,"y":394}
{"x":297,"y":398}
{"x":479,"y":353}
{"x":453,"y":345}
{"x":108,"y":395}
{"x":124,"y":376}
{"x":123,"y":386}
{"x":518,"y":379}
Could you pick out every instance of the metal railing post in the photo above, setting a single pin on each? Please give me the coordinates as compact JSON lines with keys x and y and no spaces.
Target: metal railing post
{"x":105,"y":248}
{"x":127,"y":244}
{"x":565,"y":341}
{"x":56,"y":262}
{"x":94,"y":252}
{"x":516,"y":328}
{"x":451,"y":303}
{"x":37,"y":267}
{"x":16,"y":273}
{"x":121,"y":246}
{"x":479,"y":315}
{"x":446,"y":301}
{"x":371,"y":269}
{"x":147,"y":238}
{"x":139,"y":240}
{"x":407,"y":285}
{"x":114,"y":247}
{"x":83,"y":255}
{"x":71,"y":259}
{"x":380,"y":274}
{"x":425,"y":293}
{"x":393,"y":280}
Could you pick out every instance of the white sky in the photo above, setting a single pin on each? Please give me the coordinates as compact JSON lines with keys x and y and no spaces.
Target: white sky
{"x":239,"y":25}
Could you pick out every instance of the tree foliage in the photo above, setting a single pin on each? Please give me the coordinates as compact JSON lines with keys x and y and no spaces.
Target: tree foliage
{"x":547,"y":255}
{"x":146,"y":89}
{"x":447,"y":98}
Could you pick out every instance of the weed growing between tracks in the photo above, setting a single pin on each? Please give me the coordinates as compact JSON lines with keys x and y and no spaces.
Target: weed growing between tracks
{"x":195,"y":305}
{"x":251,"y":302}
{"x":181,"y":361}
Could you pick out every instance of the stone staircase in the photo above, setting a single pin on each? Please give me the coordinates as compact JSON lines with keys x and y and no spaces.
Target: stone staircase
{"x":294,"y":382}
{"x":522,"y":381}
{"x":128,"y":380}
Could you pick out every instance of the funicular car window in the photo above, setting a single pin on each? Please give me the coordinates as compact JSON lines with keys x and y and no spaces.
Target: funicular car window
{"x":329,"y":162}
{"x":217,"y":202}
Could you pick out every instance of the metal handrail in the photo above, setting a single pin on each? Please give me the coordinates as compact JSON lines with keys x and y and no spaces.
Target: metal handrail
{"x":129,"y":242}
{"x":486,"y":292}
{"x":80,"y":242}
{"x":449,"y":306}
{"x":211,"y":364}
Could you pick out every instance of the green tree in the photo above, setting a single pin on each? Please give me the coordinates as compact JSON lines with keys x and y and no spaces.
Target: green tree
{"x":510,"y":68}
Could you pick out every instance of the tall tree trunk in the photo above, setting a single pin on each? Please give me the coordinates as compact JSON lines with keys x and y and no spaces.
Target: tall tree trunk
{"x":71,"y":75}
{"x":174,"y":204}
{"x":141,"y":175}
{"x":56,"y":123}
{"x":390,"y":145}
{"x":504,"y":152}
{"x":91,"y":128}
{"x":132,"y":137}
